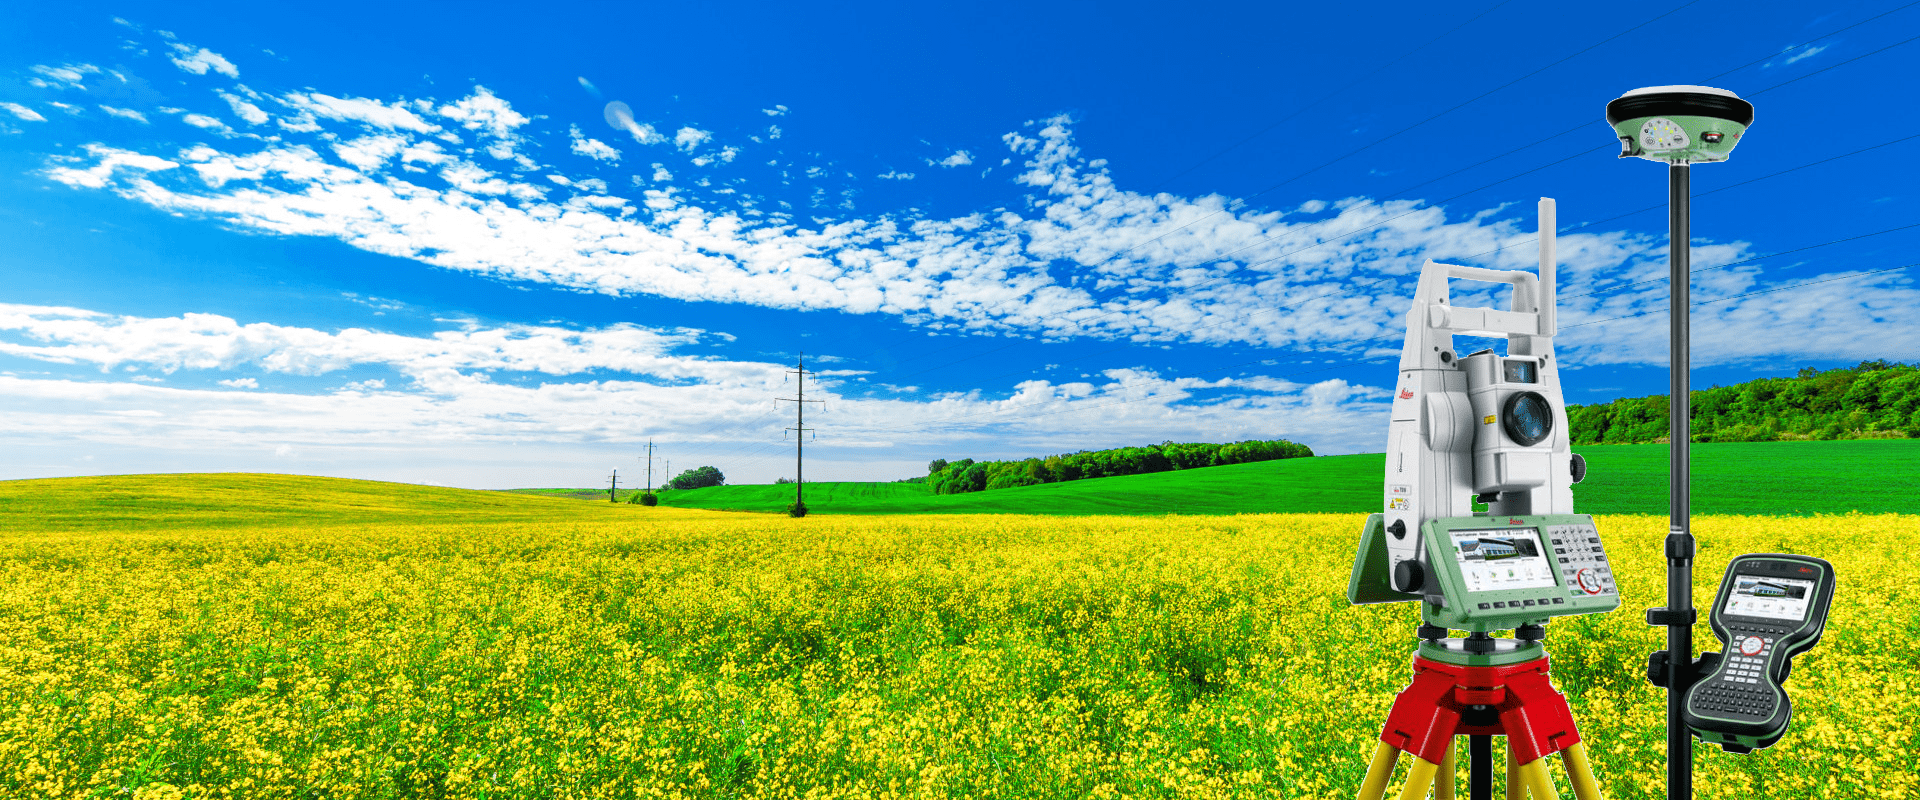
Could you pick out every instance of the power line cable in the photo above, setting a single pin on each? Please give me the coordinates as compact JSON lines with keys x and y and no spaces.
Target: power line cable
{"x":1276,"y":309}
{"x":1388,"y":358}
{"x":1775,"y":55}
{"x":1396,"y":335}
{"x":1585,"y":225}
{"x":1350,"y":234}
{"x":1267,"y":238}
{"x":1350,"y":154}
{"x":1335,"y":93}
{"x":1356,"y":362}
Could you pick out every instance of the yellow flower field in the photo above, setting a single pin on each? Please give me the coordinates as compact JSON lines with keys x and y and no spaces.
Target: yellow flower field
{"x":671,"y":653}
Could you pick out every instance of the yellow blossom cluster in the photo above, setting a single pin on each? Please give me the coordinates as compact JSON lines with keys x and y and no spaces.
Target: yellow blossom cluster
{"x":688,"y":654}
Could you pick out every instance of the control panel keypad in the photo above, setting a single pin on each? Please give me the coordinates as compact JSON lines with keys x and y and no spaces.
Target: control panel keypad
{"x":1584,"y":568}
{"x":1741,"y":688}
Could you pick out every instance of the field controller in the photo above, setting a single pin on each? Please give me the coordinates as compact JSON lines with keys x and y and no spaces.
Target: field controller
{"x":1770,"y":608}
{"x":1489,"y":573}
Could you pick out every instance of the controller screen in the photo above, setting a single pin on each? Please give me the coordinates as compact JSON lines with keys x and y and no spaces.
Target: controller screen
{"x":1770,"y":597}
{"x":1502,"y":558}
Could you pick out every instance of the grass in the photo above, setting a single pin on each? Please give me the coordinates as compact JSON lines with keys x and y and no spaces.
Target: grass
{"x":1775,"y":478}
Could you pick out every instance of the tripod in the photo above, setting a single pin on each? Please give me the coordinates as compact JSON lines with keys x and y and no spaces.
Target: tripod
{"x":1479,"y":687}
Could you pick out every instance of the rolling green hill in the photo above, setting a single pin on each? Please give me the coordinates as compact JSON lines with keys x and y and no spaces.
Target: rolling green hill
{"x":150,"y":502}
{"x":1775,"y":478}
{"x":1868,"y":475}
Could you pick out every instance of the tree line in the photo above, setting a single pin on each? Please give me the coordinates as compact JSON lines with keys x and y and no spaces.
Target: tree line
{"x":968,"y":475}
{"x":698,"y":477}
{"x":1874,"y":400}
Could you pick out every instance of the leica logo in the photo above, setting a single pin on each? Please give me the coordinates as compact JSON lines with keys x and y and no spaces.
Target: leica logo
{"x":1406,"y":394}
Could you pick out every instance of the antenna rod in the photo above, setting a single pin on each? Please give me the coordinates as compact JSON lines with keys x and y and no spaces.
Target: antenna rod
{"x":1547,"y":268}
{"x":1679,"y":535}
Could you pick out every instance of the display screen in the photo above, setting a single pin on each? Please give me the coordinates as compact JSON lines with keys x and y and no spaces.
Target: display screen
{"x":1502,"y":558}
{"x":1770,"y":597}
{"x":1521,"y":371}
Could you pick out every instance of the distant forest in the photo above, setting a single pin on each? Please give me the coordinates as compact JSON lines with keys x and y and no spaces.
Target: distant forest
{"x":968,"y":475}
{"x":1875,"y":400}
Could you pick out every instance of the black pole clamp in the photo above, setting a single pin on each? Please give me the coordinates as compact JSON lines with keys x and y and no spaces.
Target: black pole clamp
{"x":1668,"y":618}
{"x":1658,"y":665}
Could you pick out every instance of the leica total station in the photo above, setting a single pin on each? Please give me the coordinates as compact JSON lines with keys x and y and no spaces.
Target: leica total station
{"x":1489,"y":427}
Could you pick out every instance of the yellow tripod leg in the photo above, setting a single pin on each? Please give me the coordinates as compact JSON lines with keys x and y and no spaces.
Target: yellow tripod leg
{"x":1580,"y":771}
{"x":1516,"y":788}
{"x":1379,"y":772}
{"x":1443,"y":782}
{"x":1419,"y":779}
{"x":1538,"y":781}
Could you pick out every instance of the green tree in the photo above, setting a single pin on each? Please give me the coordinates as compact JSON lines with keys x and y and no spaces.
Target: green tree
{"x":697,"y":478}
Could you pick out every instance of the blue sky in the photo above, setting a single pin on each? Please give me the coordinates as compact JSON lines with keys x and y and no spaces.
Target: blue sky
{"x":505,"y":245}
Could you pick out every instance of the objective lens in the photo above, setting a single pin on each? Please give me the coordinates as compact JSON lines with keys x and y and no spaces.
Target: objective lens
{"x":1528,"y":418}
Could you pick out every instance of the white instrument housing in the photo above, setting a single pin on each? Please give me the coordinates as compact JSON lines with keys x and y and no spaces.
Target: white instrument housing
{"x":1448,"y":440}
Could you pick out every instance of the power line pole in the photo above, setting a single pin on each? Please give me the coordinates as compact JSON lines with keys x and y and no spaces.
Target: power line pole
{"x":613,"y":482}
{"x":799,"y":429}
{"x":649,"y":466}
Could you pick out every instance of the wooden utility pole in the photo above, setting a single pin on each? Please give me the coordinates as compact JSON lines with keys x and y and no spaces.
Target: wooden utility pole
{"x":613,"y":482}
{"x":799,"y":428}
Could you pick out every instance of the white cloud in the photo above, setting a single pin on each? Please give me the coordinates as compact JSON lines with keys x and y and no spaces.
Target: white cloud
{"x":958,"y":159}
{"x":424,"y":153}
{"x":369,"y":153}
{"x":689,"y":138}
{"x":1084,"y":258}
{"x":1804,"y":53}
{"x":125,"y":113}
{"x":199,"y":61}
{"x":65,"y":76}
{"x":773,"y":131}
{"x":23,"y":112}
{"x":531,"y":385}
{"x":248,"y":112}
{"x":776,"y":111}
{"x":591,"y":148}
{"x":108,"y":160}
{"x":211,"y":341}
{"x":394,"y":116}
{"x":486,"y":113}
{"x":891,"y":175}
{"x":206,"y":122}
{"x":472,"y":179}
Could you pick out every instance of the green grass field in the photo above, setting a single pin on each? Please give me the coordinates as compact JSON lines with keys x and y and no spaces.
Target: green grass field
{"x":1774,"y":478}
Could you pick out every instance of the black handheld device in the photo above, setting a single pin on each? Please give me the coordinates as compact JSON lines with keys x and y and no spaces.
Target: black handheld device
{"x":1770,"y":608}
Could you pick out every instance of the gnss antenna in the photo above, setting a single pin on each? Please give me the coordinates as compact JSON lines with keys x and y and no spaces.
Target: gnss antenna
{"x":1679,"y":125}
